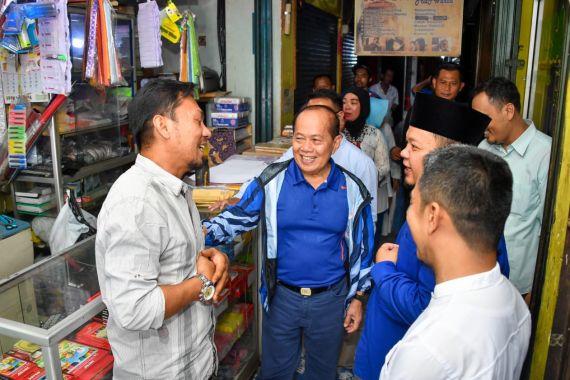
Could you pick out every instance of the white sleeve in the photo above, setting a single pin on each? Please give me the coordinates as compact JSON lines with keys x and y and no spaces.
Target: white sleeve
{"x":131,"y":236}
{"x":391,"y":142}
{"x":412,"y":360}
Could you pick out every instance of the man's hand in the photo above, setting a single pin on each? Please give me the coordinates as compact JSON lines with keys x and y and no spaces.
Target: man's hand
{"x":353,"y":316}
{"x":527,"y":298}
{"x":220,"y":205}
{"x":395,"y":153}
{"x":206,"y":267}
{"x":395,"y":185}
{"x":387,"y":252}
{"x":221,"y":263}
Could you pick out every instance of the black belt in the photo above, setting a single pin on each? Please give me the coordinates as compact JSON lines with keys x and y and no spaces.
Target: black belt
{"x":305,"y":291}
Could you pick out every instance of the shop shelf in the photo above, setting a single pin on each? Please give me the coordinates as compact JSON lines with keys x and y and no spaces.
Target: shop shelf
{"x":101,"y":166}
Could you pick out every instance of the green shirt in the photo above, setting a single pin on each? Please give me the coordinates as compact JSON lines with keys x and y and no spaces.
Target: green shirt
{"x":528,"y":158}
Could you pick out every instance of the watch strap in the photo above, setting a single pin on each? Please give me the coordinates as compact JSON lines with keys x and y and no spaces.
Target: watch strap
{"x":360,"y":297}
{"x":205,"y":283}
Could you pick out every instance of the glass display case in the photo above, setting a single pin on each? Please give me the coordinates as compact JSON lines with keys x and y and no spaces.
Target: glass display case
{"x":43,"y":307}
{"x":53,"y":319}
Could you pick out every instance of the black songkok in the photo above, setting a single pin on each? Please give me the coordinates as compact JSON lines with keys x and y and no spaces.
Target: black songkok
{"x":449,"y":119}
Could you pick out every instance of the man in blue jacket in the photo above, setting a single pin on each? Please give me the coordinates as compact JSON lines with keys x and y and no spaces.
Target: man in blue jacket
{"x":317,"y":229}
{"x":402,"y":284}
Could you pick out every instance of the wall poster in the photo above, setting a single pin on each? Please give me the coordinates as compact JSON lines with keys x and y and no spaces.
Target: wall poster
{"x":408,"y":27}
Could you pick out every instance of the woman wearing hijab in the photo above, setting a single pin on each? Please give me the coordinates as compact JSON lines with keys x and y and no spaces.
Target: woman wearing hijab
{"x":356,"y":107}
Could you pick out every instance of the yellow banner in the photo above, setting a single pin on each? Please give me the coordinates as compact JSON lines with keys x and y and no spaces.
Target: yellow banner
{"x":408,"y":28}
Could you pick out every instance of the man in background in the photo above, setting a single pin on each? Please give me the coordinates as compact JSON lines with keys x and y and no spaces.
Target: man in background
{"x":323,"y":82}
{"x":385,"y":90}
{"x":362,"y":76}
{"x":527,"y":151}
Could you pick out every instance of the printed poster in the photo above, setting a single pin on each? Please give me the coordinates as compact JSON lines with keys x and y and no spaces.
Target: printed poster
{"x":408,"y":27}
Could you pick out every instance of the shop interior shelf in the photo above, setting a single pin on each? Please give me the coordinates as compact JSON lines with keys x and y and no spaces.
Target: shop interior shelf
{"x":94,"y":128}
{"x":35,"y":179}
{"x":101,"y":166}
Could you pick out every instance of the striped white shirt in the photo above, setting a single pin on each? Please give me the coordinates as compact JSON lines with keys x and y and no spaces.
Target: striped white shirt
{"x":147,"y":237}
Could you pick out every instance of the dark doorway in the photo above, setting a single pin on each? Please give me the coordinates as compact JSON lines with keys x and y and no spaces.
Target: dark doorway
{"x":316,"y":49}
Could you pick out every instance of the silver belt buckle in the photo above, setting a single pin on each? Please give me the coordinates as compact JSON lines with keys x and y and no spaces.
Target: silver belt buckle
{"x":306,"y":292}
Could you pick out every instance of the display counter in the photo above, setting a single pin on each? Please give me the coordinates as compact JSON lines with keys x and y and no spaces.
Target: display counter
{"x":45,"y":304}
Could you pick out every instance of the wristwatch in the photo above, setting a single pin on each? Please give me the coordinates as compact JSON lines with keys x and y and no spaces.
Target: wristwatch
{"x":208,"y":288}
{"x":360,"y":297}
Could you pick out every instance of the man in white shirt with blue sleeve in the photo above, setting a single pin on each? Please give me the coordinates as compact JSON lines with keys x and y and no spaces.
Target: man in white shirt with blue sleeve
{"x":476,"y":325}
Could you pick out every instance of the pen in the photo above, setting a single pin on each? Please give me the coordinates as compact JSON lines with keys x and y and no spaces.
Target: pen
{"x":59,"y":57}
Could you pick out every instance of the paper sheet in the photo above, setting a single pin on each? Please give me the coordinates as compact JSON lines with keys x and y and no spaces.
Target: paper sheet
{"x":236,"y":171}
{"x":148,"y":25}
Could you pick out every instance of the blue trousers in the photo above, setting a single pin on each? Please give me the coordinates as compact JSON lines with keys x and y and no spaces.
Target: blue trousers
{"x":317,"y":319}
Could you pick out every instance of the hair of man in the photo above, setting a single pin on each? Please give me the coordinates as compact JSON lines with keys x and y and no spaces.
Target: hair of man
{"x":449,"y":66}
{"x":158,"y":97}
{"x":442,"y":141}
{"x":319,"y":76}
{"x":327,"y":94}
{"x":474,"y":187}
{"x":333,"y":122}
{"x":500,"y":91}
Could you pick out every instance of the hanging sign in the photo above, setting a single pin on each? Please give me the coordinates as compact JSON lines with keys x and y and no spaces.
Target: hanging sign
{"x":408,"y":28}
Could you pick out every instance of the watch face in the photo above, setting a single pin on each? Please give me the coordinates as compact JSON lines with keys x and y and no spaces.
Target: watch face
{"x":208,"y":292}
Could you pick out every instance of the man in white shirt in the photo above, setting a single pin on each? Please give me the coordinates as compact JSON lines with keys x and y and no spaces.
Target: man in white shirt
{"x":385,"y":90}
{"x":477,"y":324}
{"x":527,"y":151}
{"x":155,"y":277}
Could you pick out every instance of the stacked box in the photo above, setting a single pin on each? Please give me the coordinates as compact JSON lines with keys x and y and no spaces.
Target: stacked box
{"x":231,"y":112}
{"x":231,"y":104}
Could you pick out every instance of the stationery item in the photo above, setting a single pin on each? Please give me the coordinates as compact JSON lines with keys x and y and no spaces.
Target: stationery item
{"x":236,"y":171}
{"x":102,"y":65}
{"x":54,"y":40}
{"x":190,"y":68}
{"x":35,"y":129}
{"x":3,"y":134}
{"x":150,"y":45}
{"x":9,"y":68}
{"x":169,"y":16}
{"x":90,"y":50}
{"x":17,"y":121}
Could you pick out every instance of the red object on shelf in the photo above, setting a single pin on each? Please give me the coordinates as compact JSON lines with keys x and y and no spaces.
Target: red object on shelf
{"x":95,"y":335}
{"x":19,"y":369}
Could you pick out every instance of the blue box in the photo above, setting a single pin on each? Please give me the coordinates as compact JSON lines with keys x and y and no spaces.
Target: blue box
{"x":230,"y":123}
{"x":231,"y":107}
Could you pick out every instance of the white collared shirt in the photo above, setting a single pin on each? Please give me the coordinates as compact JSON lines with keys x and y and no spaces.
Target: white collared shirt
{"x":147,"y":237}
{"x":528,"y":158}
{"x":475,"y":327}
{"x":391,"y":95}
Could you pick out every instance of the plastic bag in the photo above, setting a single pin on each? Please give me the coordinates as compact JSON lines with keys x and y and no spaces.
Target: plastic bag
{"x":71,"y":225}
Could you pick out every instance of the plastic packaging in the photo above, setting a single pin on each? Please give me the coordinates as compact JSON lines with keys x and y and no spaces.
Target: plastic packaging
{"x":14,"y":20}
{"x":39,"y":10}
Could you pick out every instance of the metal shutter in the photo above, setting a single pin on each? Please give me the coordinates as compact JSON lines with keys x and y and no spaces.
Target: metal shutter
{"x":316,"y":49}
{"x":348,"y":61}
